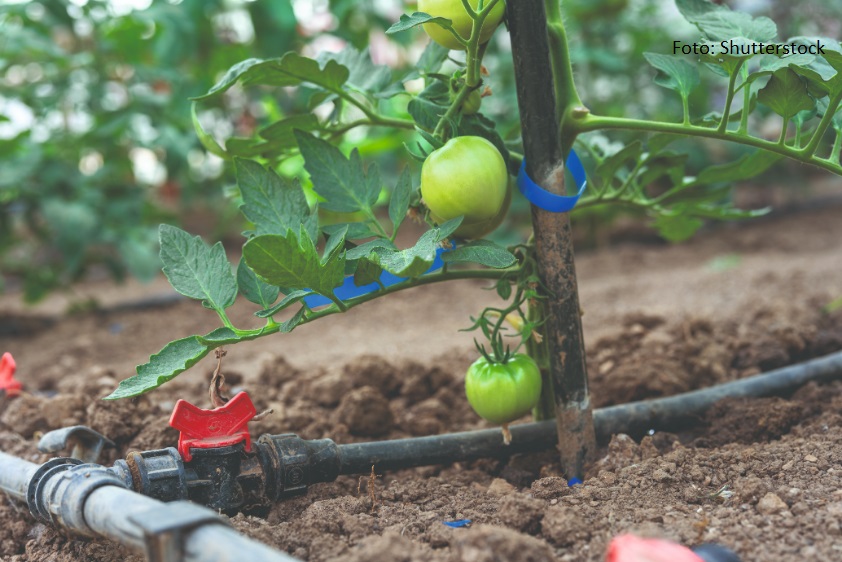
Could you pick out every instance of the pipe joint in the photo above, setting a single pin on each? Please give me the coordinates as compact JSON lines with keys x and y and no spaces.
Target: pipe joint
{"x":58,"y":490}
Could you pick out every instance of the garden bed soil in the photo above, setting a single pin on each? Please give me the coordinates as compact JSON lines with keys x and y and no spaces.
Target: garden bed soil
{"x":762,"y":476}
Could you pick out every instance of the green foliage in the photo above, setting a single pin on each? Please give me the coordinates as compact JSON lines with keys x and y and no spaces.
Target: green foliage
{"x":311,"y":152}
{"x":96,"y":146}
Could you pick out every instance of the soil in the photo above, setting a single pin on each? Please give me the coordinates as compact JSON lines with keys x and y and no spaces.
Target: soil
{"x":761,"y":476}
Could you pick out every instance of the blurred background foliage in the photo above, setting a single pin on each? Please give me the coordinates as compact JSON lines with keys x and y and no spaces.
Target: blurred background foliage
{"x":97,"y":145}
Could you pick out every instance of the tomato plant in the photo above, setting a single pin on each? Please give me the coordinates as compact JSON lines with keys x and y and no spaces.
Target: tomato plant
{"x":290,"y":255}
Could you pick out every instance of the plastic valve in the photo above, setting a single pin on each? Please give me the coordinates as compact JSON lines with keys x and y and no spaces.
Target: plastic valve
{"x":211,"y":429}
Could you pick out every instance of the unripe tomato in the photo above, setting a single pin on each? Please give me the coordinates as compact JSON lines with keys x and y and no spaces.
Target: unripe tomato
{"x":467,"y":176}
{"x":462,"y":22}
{"x":503,"y":392}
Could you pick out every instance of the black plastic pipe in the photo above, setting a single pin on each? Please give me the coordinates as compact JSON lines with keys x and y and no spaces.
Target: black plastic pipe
{"x":635,"y":418}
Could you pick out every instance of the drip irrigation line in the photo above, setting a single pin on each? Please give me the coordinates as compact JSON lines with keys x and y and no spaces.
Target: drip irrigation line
{"x":634,"y":418}
{"x":167,"y":532}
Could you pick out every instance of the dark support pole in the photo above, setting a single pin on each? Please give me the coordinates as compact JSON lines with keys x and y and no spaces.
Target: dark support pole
{"x":553,"y":235}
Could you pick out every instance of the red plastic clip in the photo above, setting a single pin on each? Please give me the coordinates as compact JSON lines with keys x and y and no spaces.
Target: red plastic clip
{"x":8,"y":383}
{"x":209,"y":429}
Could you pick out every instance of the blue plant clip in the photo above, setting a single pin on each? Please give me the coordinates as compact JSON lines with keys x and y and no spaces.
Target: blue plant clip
{"x":573,"y":481}
{"x":542,"y":198}
{"x":349,"y":290}
{"x":458,"y":523}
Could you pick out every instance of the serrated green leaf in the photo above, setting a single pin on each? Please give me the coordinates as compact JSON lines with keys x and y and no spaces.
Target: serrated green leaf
{"x":218,"y":337}
{"x":770,"y":64}
{"x":447,"y":228}
{"x":367,"y":248}
{"x":356,"y":230}
{"x":342,"y":182}
{"x":399,"y":202}
{"x":255,"y":289}
{"x":288,"y":300}
{"x":176,"y":357}
{"x":785,"y":94}
{"x":418,"y":18}
{"x":483,"y":252}
{"x":681,"y":76}
{"x":363,"y":74}
{"x":291,"y":69}
{"x":334,"y":245}
{"x":413,"y":261}
{"x":273,"y":203}
{"x":719,"y":23}
{"x":368,"y":270}
{"x":426,"y":113}
{"x":290,"y":261}
{"x":196,"y":270}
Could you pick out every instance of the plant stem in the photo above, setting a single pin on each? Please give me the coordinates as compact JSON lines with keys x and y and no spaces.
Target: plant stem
{"x":726,"y":113}
{"x":591,"y":122}
{"x":743,"y":130}
{"x":832,"y":106}
{"x":835,"y":149}
{"x":566,"y":95}
{"x":784,"y":127}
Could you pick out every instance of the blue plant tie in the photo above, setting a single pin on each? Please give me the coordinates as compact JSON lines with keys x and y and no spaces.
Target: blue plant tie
{"x":458,"y":523}
{"x":542,"y":198}
{"x":573,"y":481}
{"x":349,"y":290}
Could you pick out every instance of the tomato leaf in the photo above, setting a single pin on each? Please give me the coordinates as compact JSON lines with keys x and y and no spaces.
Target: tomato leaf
{"x":719,"y":23}
{"x":681,"y":76}
{"x":273,"y":203}
{"x":342,"y":182}
{"x":483,"y":252}
{"x":363,"y":74}
{"x":291,"y":69}
{"x":196,"y":270}
{"x":368,"y":270}
{"x":401,"y":197}
{"x":255,"y":289}
{"x":786,"y":94}
{"x":290,"y":261}
{"x":413,"y":261}
{"x":418,"y":18}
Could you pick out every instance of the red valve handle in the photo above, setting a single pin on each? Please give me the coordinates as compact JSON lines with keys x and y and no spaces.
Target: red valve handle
{"x":209,"y":429}
{"x":8,"y":383}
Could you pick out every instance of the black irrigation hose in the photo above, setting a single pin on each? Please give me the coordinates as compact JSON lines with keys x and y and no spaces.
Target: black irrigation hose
{"x":635,"y":418}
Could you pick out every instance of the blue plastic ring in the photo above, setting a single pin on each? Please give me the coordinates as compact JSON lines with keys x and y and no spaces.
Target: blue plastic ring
{"x":542,"y":198}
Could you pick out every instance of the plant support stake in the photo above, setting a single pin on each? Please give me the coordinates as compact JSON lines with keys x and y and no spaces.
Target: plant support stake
{"x":553,"y":235}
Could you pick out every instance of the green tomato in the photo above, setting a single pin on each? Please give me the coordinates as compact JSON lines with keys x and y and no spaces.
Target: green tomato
{"x":503,"y":392}
{"x":467,"y":177}
{"x":478,"y":229}
{"x":462,"y":22}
